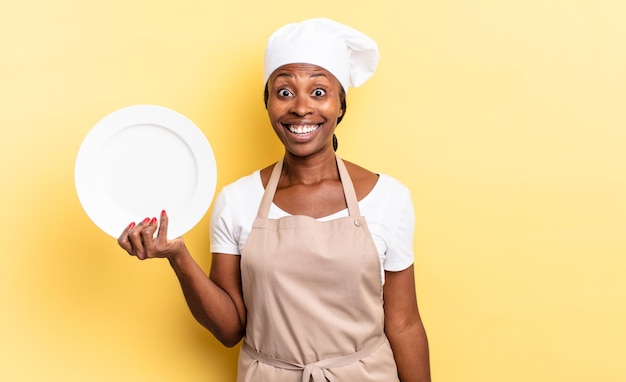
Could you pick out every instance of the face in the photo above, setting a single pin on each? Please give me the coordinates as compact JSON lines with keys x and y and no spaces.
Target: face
{"x":303,"y":106}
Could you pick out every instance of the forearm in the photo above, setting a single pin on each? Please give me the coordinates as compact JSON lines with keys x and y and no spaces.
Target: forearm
{"x":210,"y":305}
{"x":410,"y":349}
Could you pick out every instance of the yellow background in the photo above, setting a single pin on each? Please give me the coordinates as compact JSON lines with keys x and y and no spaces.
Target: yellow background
{"x":505,"y":118}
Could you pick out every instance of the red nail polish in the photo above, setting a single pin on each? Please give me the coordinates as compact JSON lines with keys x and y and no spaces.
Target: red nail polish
{"x":146,"y":220}
{"x":163,"y":213}
{"x":153,"y":221}
{"x":131,"y":225}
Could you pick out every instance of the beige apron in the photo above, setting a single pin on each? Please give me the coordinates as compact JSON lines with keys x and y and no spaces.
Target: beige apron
{"x":313,"y":293}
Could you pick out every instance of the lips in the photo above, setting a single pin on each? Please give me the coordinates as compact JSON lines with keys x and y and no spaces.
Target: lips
{"x":302,"y":129}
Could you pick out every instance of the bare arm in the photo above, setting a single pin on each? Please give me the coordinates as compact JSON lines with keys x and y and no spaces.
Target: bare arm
{"x":404,"y":328}
{"x":215,"y":302}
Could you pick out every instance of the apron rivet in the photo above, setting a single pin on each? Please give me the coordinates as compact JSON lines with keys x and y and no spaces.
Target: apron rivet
{"x":357,"y":223}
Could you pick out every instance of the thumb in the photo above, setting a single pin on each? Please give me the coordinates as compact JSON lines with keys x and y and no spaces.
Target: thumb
{"x":162,"y":233}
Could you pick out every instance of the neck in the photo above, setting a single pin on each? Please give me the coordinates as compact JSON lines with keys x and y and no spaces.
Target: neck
{"x":310,"y":170}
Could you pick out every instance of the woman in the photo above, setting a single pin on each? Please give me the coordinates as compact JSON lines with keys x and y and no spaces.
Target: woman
{"x":316,"y":292}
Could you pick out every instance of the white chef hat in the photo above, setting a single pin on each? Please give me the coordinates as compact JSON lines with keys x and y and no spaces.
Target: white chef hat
{"x":348,"y":54}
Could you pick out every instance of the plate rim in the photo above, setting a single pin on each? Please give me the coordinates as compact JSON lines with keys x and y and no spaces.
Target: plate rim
{"x":113,"y":123}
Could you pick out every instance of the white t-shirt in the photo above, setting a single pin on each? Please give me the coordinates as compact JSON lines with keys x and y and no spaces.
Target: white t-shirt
{"x":388,"y":210}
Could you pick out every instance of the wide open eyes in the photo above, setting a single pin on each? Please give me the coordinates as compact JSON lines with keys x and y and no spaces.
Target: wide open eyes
{"x":284,"y":93}
{"x":319,"y":92}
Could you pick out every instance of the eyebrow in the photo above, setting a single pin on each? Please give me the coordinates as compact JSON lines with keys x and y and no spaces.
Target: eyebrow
{"x":285,"y":74}
{"x":318,"y":75}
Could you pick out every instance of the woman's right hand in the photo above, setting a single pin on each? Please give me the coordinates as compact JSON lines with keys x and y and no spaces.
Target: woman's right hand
{"x":139,"y":240}
{"x":216,"y":302}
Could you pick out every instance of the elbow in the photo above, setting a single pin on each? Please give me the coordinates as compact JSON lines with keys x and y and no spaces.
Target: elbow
{"x":228,"y":338}
{"x":231,"y":341}
{"x":228,"y":333}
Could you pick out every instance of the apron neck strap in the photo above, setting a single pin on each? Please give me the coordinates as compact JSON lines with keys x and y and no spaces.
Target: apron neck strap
{"x":348,"y":189}
{"x":346,"y":182}
{"x":270,"y":190}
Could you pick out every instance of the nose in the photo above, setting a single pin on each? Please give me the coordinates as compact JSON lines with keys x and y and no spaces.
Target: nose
{"x":301,"y":106}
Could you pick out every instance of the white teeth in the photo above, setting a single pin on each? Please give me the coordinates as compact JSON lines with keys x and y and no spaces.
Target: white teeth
{"x":305,"y":129}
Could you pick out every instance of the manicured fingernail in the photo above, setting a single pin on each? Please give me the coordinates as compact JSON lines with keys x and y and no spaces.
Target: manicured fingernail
{"x":146,"y":220}
{"x":131,"y":225}
{"x":153,"y":221}
{"x":163,"y":213}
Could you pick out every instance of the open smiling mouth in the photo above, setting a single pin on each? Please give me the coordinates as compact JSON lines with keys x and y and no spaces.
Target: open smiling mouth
{"x":303,"y":129}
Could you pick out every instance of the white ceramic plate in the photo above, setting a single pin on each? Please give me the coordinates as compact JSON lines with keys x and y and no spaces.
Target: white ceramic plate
{"x":143,"y":159}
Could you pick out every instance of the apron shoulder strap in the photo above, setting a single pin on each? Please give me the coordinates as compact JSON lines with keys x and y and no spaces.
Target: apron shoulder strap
{"x":348,"y":189}
{"x":270,"y":190}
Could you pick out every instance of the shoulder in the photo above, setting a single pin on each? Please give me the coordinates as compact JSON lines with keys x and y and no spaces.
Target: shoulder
{"x":376,"y":184}
{"x":235,"y":206}
{"x":391,"y":219}
{"x":233,"y":210}
{"x":389,"y":200}
{"x":363,"y":180}
{"x":390,"y":184}
{"x":358,"y":173}
{"x":265,"y":173}
{"x":389,"y":195}
{"x":243,"y":185}
{"x":239,"y":196}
